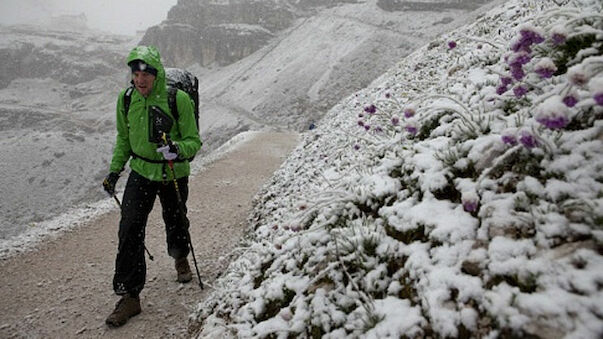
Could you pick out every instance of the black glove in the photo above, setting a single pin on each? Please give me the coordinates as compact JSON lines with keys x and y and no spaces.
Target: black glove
{"x":110,"y":181}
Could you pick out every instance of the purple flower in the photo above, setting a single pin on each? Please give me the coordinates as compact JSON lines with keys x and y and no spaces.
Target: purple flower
{"x":528,"y":140}
{"x":528,"y":36}
{"x":520,"y":91}
{"x":412,"y":129}
{"x":596,"y":88}
{"x":360,"y":123}
{"x":537,"y":38}
{"x":506,"y":81}
{"x":558,"y":35}
{"x":370,"y":109}
{"x":576,"y":76}
{"x":356,"y":147}
{"x":558,"y":39}
{"x":451,"y":44}
{"x":545,"y":68}
{"x":570,"y":100}
{"x":409,"y":112}
{"x":520,"y":58}
{"x":470,"y":201}
{"x":387,"y":95}
{"x":552,"y":113}
{"x":367,"y":127}
{"x":285,"y":313}
{"x":395,"y":120}
{"x":545,"y":73}
{"x":509,"y":140}
{"x":509,"y":137}
{"x":501,"y":89}
{"x":517,"y":72}
{"x":378,"y":129}
{"x":470,"y":206}
{"x":554,"y":122}
{"x":521,"y":45}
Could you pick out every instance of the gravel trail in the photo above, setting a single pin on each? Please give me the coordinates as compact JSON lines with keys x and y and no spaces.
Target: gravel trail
{"x":62,"y":289}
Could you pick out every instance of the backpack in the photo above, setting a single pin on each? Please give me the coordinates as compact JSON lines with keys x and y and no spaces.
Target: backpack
{"x":176,"y":79}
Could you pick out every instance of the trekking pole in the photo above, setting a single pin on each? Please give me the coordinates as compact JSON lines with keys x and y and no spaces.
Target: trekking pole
{"x":182,"y":212}
{"x":119,"y":204}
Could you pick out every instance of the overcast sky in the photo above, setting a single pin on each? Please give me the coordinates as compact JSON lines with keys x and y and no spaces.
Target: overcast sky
{"x":117,"y":16}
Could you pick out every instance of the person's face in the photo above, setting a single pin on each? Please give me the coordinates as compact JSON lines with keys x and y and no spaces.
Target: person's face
{"x":143,"y":82}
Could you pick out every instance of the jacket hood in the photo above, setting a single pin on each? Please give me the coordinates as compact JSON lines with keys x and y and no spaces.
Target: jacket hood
{"x":150,"y":55}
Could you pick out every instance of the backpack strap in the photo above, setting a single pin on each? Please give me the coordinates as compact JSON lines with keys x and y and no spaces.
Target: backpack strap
{"x":128,"y":99}
{"x":172,"y":103}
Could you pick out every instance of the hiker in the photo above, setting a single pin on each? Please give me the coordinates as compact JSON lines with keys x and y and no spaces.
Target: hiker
{"x":150,"y":176}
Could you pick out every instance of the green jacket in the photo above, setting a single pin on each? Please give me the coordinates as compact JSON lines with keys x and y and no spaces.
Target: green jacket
{"x":133,"y":130}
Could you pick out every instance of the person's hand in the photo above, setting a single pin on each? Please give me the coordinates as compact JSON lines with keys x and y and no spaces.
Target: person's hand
{"x":169,"y":151}
{"x":110,"y":181}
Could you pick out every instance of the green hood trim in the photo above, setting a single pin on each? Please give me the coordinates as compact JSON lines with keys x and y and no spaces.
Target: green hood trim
{"x":150,"y":55}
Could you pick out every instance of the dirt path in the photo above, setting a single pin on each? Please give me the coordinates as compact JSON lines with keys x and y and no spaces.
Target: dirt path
{"x":63,"y":289}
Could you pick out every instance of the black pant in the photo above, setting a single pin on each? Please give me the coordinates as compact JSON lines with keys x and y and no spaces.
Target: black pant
{"x":138,"y":200}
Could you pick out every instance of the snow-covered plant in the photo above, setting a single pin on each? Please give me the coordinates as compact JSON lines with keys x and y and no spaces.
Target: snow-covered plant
{"x":471,"y":208}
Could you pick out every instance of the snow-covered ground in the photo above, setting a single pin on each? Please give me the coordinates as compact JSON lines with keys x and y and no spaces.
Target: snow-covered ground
{"x":459,"y":195}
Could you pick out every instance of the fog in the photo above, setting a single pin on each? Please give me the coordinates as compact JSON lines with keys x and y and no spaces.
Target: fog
{"x":116,"y":16}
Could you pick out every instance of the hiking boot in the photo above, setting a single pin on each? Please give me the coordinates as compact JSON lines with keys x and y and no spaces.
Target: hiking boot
{"x":126,"y":308}
{"x":184,"y":271}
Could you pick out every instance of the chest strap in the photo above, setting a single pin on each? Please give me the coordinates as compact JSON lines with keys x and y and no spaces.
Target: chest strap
{"x":134,"y":155}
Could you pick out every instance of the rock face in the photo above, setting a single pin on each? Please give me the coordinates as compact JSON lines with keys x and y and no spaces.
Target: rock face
{"x":222,"y":32}
{"x":222,"y":44}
